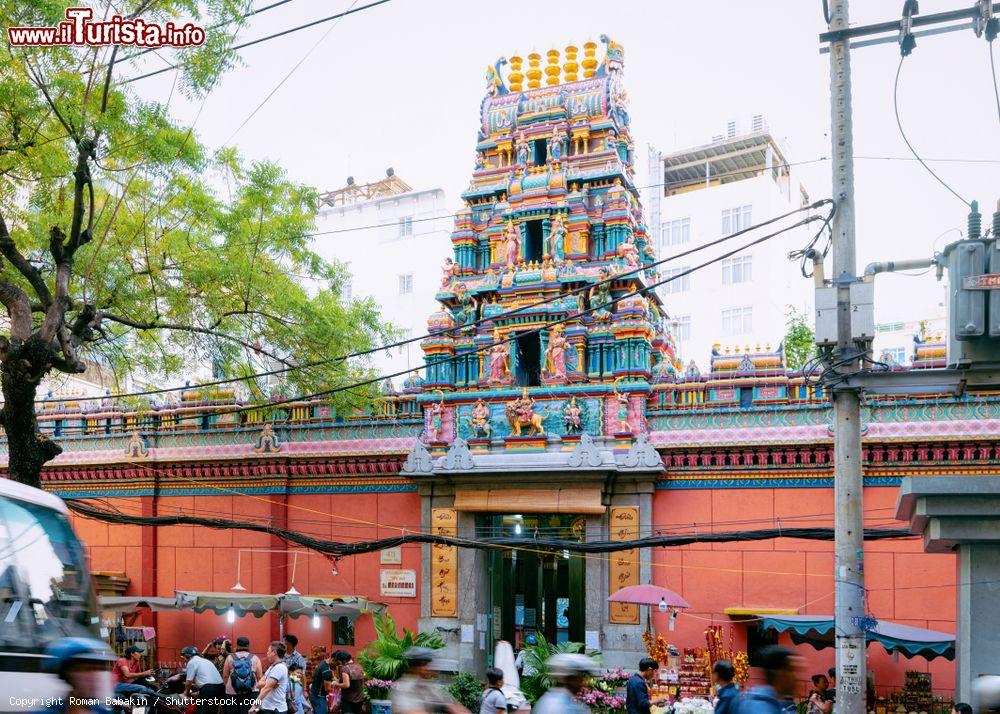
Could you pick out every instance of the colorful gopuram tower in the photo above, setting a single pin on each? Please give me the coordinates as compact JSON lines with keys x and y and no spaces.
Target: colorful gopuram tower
{"x":550,"y":236}
{"x":540,"y":365}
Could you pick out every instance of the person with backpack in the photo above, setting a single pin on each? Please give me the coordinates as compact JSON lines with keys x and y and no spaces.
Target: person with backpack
{"x":240,"y":673}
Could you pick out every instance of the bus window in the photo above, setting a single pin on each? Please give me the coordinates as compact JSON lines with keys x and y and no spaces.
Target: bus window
{"x":43,"y":569}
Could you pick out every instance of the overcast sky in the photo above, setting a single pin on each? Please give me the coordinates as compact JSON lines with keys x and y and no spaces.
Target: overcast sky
{"x":400,"y":85}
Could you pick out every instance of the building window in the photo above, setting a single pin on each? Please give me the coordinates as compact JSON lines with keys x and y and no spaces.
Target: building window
{"x":757,"y":640}
{"x":894,"y":355}
{"x":406,"y":283}
{"x":737,"y":270}
{"x":405,"y":226}
{"x":737,"y":321}
{"x":680,"y":283}
{"x":682,"y":327}
{"x":347,"y":292}
{"x":676,"y":232}
{"x":735,"y":219}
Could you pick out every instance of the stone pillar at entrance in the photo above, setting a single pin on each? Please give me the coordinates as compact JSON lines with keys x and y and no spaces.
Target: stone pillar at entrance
{"x":962,"y":514}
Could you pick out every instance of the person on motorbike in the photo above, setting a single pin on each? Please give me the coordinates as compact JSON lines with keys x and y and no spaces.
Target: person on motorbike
{"x":570,"y":673}
{"x":85,"y":665}
{"x":202,"y":675}
{"x":418,"y":692}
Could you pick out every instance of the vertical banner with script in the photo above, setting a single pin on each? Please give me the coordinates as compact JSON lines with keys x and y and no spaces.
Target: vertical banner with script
{"x":624,"y":570}
{"x":444,"y":565}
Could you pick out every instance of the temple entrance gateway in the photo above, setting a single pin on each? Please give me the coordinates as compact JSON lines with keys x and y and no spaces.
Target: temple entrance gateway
{"x":534,"y":590}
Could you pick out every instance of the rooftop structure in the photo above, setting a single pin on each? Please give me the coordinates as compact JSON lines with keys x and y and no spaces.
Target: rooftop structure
{"x":705,"y":193}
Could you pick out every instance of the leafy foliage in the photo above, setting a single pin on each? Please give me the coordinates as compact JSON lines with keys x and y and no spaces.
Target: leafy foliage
{"x":127,"y":243}
{"x":799,"y":344}
{"x":383,"y":657}
{"x":536,"y":659}
{"x":467,"y":690}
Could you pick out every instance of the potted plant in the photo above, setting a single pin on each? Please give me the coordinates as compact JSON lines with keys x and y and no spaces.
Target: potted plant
{"x":536,"y":657}
{"x":383,"y":657}
{"x":467,"y":690}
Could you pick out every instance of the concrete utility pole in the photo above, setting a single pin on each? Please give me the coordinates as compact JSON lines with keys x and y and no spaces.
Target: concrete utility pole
{"x":849,"y":514}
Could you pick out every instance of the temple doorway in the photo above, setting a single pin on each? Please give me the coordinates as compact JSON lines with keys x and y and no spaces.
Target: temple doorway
{"x":531,"y":589}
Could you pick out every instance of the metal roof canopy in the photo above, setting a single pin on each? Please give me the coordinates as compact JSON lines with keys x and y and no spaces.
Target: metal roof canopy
{"x":729,"y":160}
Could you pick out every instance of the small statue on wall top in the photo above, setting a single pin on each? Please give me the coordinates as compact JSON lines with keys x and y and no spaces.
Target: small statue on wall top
{"x":521,"y":414}
{"x":600,"y":298}
{"x":465,"y":311}
{"x":448,"y":272}
{"x":522,"y":150}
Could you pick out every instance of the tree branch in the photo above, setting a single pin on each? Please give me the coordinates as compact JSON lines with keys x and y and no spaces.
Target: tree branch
{"x":18,"y":308}
{"x":156,"y":325}
{"x":25,"y":268}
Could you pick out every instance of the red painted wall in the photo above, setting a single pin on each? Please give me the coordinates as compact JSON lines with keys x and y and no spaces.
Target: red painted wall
{"x":783,"y":573}
{"x":194,"y":558}
{"x":798,"y":574}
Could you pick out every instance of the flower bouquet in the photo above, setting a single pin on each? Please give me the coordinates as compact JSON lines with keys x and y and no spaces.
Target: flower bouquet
{"x":378,"y":689}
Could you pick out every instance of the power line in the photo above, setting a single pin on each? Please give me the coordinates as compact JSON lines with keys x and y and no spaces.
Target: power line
{"x":899,"y":124}
{"x":259,"y":40}
{"x":476,"y":323}
{"x":514,"y":336}
{"x":240,"y":20}
{"x":993,"y":71}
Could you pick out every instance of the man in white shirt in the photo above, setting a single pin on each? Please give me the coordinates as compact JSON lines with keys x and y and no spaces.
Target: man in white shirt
{"x":202,"y":675}
{"x":273,"y":685}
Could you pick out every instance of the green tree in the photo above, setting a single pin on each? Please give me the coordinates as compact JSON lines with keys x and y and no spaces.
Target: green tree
{"x":799,"y":343}
{"x":124,"y":240}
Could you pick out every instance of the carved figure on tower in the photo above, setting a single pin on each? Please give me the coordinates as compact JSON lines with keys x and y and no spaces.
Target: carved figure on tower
{"x":521,"y":414}
{"x":448,"y":272}
{"x":511,"y":246}
{"x":557,"y":238}
{"x":499,"y":362}
{"x":573,"y":416}
{"x":555,"y":144}
{"x":629,"y":253}
{"x":465,"y":312}
{"x":522,"y":150}
{"x":481,"y":420}
{"x":600,"y":298}
{"x":437,"y":415}
{"x":555,"y":354}
{"x":623,"y":426}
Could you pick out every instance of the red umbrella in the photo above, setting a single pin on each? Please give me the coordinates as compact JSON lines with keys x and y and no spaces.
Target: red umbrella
{"x":649,"y":595}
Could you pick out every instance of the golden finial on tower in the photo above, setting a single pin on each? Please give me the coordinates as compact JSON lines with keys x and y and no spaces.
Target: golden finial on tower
{"x":516,"y":77}
{"x":552,"y":69}
{"x":570,"y":66}
{"x":534,"y":73}
{"x":589,"y":59}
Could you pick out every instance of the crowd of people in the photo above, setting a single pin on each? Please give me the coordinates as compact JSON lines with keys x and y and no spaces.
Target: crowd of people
{"x":277,"y":685}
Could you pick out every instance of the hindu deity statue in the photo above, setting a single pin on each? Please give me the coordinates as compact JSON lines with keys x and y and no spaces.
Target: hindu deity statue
{"x":629,"y":253}
{"x":600,"y":298}
{"x":521,"y":414}
{"x":448,"y":272}
{"x":499,"y":361}
{"x":465,"y":311}
{"x":481,"y":420}
{"x":573,"y":416}
{"x":436,"y":411}
{"x":555,"y":144}
{"x":522,"y":150}
{"x":511,"y":246}
{"x":557,"y":238}
{"x":555,"y":354}
{"x":622,"y":414}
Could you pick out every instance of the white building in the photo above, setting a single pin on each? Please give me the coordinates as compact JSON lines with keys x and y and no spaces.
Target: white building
{"x":701,"y":194}
{"x":393,"y":241}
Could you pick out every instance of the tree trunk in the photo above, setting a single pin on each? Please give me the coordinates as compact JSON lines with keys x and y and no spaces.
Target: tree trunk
{"x":28,"y":450}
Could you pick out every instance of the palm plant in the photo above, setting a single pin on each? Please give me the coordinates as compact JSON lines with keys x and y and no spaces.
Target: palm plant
{"x":383,"y":657}
{"x":536,"y":659}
